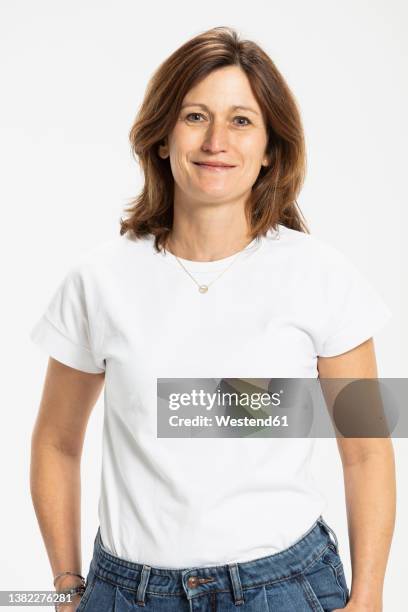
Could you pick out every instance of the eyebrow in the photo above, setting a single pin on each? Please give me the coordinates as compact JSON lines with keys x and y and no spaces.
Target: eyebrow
{"x":239,"y":106}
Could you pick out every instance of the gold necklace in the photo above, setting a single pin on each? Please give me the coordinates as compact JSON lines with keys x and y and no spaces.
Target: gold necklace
{"x":204,"y":288}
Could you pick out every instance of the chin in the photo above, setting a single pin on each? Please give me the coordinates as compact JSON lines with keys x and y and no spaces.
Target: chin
{"x":212,"y":192}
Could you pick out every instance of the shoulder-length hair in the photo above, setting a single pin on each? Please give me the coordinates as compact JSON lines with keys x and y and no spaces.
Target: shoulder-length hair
{"x":273,"y":195}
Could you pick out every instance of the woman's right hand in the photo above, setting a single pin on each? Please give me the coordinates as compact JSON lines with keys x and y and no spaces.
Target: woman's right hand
{"x":72,"y":606}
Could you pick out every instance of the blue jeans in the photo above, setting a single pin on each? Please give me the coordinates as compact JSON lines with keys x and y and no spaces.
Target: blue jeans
{"x":307,"y":576}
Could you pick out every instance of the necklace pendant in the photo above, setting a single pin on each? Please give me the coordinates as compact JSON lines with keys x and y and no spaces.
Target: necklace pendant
{"x":203,"y":288}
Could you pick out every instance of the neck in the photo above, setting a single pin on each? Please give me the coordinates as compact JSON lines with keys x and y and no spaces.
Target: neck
{"x":206,"y":247}
{"x":208,"y":239}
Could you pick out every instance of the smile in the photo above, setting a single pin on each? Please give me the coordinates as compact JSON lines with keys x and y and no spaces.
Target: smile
{"x":212,"y":168}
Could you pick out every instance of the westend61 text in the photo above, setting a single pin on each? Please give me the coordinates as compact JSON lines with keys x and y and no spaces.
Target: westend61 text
{"x":227,"y":421}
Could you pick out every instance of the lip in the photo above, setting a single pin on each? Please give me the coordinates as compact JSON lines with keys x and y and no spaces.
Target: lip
{"x":214,"y":166}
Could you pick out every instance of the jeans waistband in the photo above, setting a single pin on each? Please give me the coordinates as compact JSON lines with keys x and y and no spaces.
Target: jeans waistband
{"x":195,"y":581}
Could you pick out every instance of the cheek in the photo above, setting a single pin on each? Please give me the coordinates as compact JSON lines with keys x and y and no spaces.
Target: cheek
{"x":181,"y":152}
{"x":177,"y":156}
{"x":252,"y":148}
{"x":180,"y":164}
{"x":183,"y":140}
{"x":257,"y":148}
{"x":181,"y":168}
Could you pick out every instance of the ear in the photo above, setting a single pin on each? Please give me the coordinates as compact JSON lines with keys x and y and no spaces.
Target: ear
{"x":163,"y":149}
{"x":266,"y":161}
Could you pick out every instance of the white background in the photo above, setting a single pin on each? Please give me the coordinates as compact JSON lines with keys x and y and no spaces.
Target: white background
{"x":72,"y":76}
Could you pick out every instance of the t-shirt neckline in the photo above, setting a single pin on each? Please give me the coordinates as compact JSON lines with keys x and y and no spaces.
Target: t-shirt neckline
{"x":215,"y":265}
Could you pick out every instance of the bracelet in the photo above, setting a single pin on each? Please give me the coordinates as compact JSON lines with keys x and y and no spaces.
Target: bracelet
{"x":69,"y":573}
{"x":73,"y":591}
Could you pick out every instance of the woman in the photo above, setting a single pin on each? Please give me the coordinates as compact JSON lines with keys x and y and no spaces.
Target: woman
{"x":214,"y":274}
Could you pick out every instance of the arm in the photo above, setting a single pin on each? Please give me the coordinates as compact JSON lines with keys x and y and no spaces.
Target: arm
{"x":56,"y":446}
{"x":370,"y":489}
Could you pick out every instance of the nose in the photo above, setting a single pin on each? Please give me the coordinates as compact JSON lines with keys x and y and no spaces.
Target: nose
{"x":216,"y":138}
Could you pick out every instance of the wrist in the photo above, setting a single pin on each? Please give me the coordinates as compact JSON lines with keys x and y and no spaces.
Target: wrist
{"x":67,"y":579}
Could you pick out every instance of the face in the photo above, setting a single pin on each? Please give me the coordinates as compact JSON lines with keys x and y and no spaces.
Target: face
{"x":209,"y":129}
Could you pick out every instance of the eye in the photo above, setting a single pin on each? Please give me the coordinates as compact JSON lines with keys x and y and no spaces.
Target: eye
{"x":192,"y":114}
{"x":246,"y":119}
{"x":201,"y":115}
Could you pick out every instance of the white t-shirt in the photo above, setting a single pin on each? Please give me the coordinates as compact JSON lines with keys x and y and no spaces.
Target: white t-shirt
{"x":136,"y":314}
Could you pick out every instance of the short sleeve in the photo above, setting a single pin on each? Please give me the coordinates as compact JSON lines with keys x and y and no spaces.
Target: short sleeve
{"x":355,"y":310}
{"x":70,"y":330}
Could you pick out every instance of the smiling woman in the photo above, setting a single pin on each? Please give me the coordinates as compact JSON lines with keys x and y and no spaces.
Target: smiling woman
{"x":217,"y":100}
{"x":209,"y":523}
{"x":216,"y":159}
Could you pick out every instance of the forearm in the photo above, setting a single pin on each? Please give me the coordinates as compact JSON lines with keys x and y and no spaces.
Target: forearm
{"x":371,"y":504}
{"x":55,"y":482}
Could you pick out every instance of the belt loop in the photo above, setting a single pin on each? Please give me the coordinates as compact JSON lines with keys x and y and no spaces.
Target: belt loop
{"x":329,"y":531}
{"x":140,"y":597}
{"x":236,"y":583}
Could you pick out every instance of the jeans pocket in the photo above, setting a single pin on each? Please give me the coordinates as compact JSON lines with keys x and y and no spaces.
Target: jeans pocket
{"x":100,"y":597}
{"x":125,"y":600}
{"x":89,"y":585}
{"x":332,"y":558}
{"x":311,"y":595}
{"x":341,"y":579}
{"x":324,"y":582}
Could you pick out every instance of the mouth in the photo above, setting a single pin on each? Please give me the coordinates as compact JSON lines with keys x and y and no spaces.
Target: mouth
{"x":214,"y":167}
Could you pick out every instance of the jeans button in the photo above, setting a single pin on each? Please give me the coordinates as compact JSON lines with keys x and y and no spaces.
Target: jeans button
{"x":192,"y":582}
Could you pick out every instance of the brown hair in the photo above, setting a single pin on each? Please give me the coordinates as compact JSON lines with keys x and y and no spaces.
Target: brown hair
{"x":273,"y":195}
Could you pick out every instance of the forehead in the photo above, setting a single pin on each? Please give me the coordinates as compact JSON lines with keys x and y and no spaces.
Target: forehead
{"x":227,"y":86}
